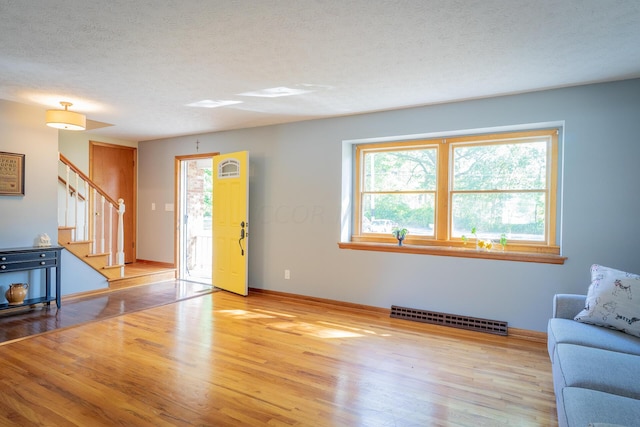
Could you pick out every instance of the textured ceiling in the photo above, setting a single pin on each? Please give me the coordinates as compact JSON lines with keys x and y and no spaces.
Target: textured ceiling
{"x":138,"y":64}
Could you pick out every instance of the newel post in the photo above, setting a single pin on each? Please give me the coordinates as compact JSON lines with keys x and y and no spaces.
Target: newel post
{"x":120,"y":253}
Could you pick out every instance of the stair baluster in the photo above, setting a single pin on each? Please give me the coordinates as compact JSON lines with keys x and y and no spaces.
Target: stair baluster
{"x":76,"y":204}
{"x":102,"y":230}
{"x":66,"y":199}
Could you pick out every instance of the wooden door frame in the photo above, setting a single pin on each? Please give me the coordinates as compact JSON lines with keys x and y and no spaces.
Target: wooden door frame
{"x":131,"y":210}
{"x":178,"y":207}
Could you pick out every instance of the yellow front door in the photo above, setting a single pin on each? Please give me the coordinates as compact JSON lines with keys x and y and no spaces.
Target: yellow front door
{"x":230,"y":222}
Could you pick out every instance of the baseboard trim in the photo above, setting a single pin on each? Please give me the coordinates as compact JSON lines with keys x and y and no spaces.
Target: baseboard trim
{"x":529,"y":335}
{"x":316,"y":300}
{"x":523,"y":334}
{"x":85,"y":294}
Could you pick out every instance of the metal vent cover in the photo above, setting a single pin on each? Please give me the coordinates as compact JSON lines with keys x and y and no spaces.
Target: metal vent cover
{"x":496,"y":327}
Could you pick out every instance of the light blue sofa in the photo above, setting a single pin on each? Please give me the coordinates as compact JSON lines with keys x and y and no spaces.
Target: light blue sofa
{"x":596,"y":370}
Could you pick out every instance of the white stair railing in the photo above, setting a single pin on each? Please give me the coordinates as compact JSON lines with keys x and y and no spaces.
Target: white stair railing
{"x":91,"y":214}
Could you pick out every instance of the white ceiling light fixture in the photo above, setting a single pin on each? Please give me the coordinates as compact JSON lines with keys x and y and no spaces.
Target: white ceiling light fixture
{"x":65,"y":119}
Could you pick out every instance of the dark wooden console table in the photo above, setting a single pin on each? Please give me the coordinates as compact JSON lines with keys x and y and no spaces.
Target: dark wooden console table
{"x":23,"y":259}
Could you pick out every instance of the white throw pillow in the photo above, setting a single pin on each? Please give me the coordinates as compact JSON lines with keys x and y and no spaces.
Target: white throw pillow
{"x":613,"y":300}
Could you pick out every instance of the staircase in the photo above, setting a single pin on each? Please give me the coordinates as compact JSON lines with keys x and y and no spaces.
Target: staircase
{"x":82,"y":250}
{"x":91,"y":228}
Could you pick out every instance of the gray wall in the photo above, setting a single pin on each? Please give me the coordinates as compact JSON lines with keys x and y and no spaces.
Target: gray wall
{"x":295,"y":202}
{"x":22,"y":130}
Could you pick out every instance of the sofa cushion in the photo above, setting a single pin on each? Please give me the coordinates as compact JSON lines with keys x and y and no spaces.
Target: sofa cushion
{"x":584,"y":406}
{"x":596,"y":369}
{"x":572,"y":332}
{"x":613,"y":300}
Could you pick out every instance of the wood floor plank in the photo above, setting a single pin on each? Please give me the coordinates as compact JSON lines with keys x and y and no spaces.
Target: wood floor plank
{"x":264,"y":360}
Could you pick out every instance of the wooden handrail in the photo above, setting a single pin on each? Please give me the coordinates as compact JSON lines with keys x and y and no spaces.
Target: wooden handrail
{"x":71,"y":188}
{"x":92,"y":184}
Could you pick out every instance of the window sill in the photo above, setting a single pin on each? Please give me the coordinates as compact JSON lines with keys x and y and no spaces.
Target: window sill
{"x":455,"y":252}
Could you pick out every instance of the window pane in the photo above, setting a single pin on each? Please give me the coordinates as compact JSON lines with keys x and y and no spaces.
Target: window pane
{"x":519,"y":216}
{"x":520,"y":166}
{"x":400,"y":170}
{"x":383,"y":212}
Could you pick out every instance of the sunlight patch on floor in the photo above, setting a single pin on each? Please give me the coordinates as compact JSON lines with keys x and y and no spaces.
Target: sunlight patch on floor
{"x":244,"y":314}
{"x":360,"y":330}
{"x":275,"y":313}
{"x":320,"y":329}
{"x":302,"y":328}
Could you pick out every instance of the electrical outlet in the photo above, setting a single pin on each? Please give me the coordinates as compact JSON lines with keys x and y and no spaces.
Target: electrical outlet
{"x":287,"y":274}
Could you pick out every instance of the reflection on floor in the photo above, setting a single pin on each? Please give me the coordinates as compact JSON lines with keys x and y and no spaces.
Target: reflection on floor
{"x":19,"y":323}
{"x":143,"y":273}
{"x":202,"y":275}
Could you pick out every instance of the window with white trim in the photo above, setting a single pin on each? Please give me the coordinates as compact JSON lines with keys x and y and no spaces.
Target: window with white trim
{"x":452,"y":192}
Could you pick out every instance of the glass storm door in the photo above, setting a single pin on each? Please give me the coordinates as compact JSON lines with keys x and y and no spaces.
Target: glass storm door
{"x":195,"y":212}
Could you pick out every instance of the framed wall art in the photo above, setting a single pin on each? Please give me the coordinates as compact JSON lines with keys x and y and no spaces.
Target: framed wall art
{"x":11,"y":174}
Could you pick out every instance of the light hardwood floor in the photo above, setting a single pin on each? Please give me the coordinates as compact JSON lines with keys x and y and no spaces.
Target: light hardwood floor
{"x":225,"y":360}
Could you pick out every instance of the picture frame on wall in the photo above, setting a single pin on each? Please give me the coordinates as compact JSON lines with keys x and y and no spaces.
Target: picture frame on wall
{"x":11,"y":174}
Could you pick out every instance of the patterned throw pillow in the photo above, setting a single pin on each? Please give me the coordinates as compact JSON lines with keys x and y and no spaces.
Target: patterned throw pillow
{"x":613,"y":300}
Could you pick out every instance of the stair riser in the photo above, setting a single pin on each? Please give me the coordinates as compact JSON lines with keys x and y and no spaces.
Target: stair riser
{"x":141,"y":280}
{"x":111,"y":273}
{"x":80,"y":250}
{"x":65,"y":234}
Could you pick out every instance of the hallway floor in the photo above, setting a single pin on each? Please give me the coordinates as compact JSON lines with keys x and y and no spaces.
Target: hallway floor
{"x":18,"y":323}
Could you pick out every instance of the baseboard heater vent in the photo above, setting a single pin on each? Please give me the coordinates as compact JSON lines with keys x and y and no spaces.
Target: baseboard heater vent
{"x":496,"y":327}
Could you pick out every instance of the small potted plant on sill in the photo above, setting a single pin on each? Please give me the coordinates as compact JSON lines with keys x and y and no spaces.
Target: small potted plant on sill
{"x":399,"y":233}
{"x":465,"y":239}
{"x":503,"y":241}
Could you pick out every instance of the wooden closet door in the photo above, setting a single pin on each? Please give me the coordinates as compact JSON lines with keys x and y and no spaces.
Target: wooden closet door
{"x":113,"y":168}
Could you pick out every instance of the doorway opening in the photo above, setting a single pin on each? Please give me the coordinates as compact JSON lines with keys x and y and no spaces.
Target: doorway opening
{"x":195,"y":201}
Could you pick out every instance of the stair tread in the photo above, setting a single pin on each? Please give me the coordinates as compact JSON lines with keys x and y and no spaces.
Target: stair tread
{"x":97,"y":255}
